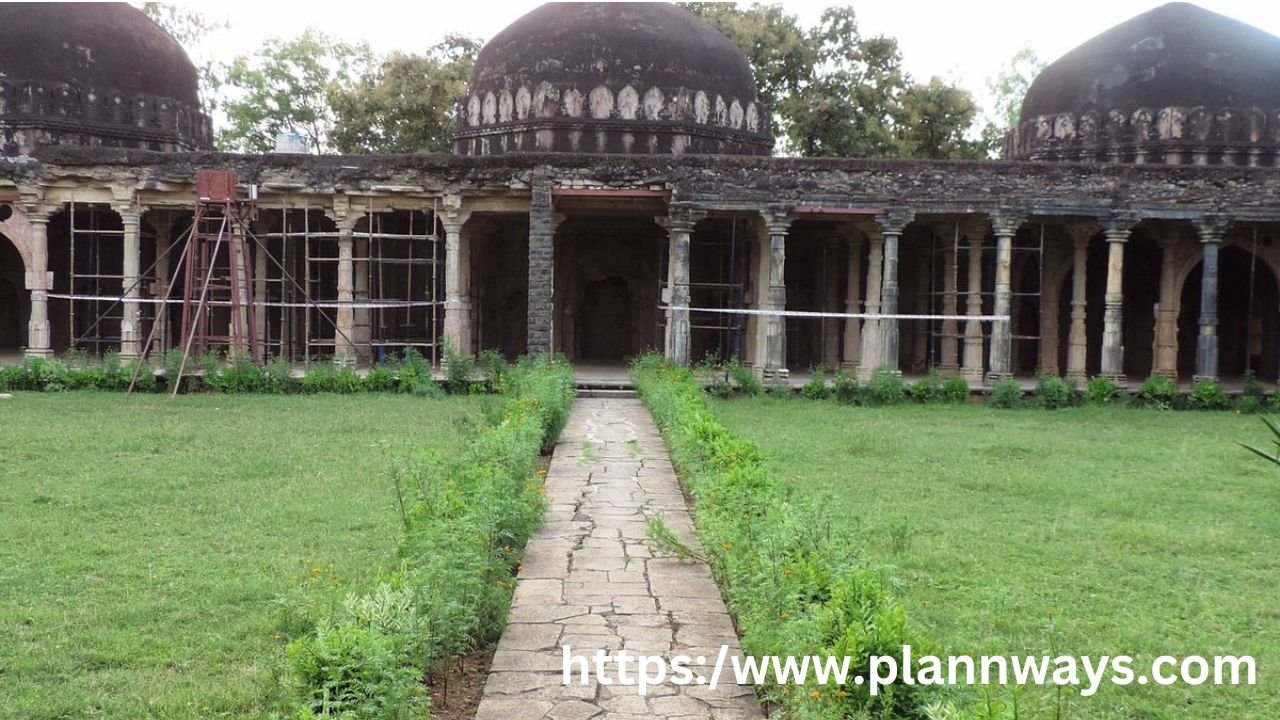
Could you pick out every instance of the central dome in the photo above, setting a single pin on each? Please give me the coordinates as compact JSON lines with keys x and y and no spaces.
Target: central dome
{"x":612,"y":77}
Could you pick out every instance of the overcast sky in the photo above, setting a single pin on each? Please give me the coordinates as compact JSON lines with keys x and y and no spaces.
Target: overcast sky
{"x":966,"y":42}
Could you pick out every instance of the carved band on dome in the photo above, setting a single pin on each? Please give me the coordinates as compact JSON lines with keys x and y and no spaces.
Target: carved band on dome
{"x":70,"y":108}
{"x":1219,"y":135}
{"x":548,"y":101}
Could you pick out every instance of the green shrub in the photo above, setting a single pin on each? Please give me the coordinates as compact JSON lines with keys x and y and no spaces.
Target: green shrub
{"x":845,"y":389}
{"x":1251,"y":386}
{"x":277,"y":377}
{"x":380,"y":379}
{"x":1158,"y":392}
{"x":1101,"y":391}
{"x":795,"y":590}
{"x":1052,"y":392}
{"x":1208,"y":395}
{"x":886,"y":387}
{"x":1250,"y":404}
{"x":465,"y":519}
{"x":238,"y":375}
{"x":816,"y":388}
{"x":415,"y":375}
{"x":929,"y":390}
{"x":460,"y":371}
{"x":1005,"y":394}
{"x":494,"y":368}
{"x":955,"y":390}
{"x":744,"y":378}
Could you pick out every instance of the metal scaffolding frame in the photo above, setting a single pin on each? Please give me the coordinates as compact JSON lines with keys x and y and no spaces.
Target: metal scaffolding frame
{"x":92,"y":289}
{"x":724,"y":289}
{"x":403,"y":276}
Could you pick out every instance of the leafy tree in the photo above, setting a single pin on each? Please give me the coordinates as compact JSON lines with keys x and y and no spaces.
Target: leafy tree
{"x":780,"y":51}
{"x":836,"y":93}
{"x":188,"y":26}
{"x":405,"y":103}
{"x":284,"y":87}
{"x":1008,"y":89}
{"x":936,"y":118}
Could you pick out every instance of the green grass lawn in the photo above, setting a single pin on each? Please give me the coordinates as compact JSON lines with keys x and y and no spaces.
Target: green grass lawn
{"x":1080,"y":532}
{"x":144,"y":543}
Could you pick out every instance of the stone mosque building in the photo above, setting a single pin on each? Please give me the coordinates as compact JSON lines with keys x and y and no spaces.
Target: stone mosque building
{"x":613,"y":190}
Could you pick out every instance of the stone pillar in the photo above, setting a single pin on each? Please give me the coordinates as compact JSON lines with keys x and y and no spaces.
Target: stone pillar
{"x":831,"y":304}
{"x":1113,"y":316}
{"x":775,"y":368}
{"x":889,"y":299}
{"x":1166,"y":349}
{"x":871,"y":356}
{"x":131,"y":321}
{"x":260,"y":298}
{"x":1211,"y":232}
{"x":343,"y":341}
{"x":972,"y":368}
{"x":39,"y":281}
{"x":853,"y":302}
{"x":457,"y":280}
{"x":1078,"y":338}
{"x":679,"y":236}
{"x":1001,"y":358}
{"x":542,"y":232}
{"x":163,"y":225}
{"x":363,"y":315}
{"x":949,"y":363}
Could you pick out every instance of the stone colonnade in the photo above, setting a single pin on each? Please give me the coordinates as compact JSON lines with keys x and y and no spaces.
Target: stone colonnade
{"x":859,"y":345}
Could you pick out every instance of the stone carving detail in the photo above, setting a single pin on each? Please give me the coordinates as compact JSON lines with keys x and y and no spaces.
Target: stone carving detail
{"x":489,"y":114}
{"x":701,"y":108}
{"x":628,"y":103}
{"x":63,"y":113}
{"x":504,"y":106}
{"x":601,"y":102}
{"x":653,"y":101}
{"x":524,"y":100}
{"x":1228,"y":135}
{"x":712,"y":123}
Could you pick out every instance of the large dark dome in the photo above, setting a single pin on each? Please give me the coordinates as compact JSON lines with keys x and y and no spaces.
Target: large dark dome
{"x":1160,"y":87}
{"x":636,"y":77}
{"x":94,"y":74}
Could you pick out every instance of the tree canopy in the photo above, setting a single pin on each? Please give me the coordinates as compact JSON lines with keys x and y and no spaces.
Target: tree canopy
{"x":834,"y":92}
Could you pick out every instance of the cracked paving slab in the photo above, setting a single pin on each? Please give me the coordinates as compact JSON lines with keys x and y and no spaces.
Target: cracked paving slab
{"x":589,"y":581}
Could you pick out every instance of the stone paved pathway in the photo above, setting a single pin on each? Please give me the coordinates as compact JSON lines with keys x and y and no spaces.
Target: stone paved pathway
{"x":589,"y":581}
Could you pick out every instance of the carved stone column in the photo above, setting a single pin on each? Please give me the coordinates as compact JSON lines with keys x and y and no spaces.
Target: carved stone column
{"x":1211,"y":231}
{"x":891,"y":227}
{"x":853,"y":302}
{"x":872,"y":355}
{"x":131,"y":321}
{"x":949,"y":363}
{"x":775,"y":368}
{"x":457,"y":277}
{"x":1166,"y":342}
{"x":344,"y":324}
{"x":1078,"y":337}
{"x":39,"y":282}
{"x":972,"y":368}
{"x":542,"y":233}
{"x":1113,"y":316}
{"x":1049,"y":306}
{"x":162,"y":223}
{"x":679,"y":236}
{"x":1001,"y":359}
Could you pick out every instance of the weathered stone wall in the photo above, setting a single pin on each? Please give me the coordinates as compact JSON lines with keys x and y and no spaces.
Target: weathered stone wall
{"x":719,"y":182}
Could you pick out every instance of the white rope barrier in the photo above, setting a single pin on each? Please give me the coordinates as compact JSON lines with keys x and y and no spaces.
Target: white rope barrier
{"x":227,"y":303}
{"x":858,"y":316}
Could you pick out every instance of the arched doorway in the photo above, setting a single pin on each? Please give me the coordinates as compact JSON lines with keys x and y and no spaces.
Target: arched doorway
{"x":15,"y":303}
{"x":1247,"y":321}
